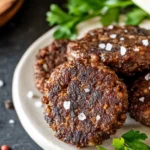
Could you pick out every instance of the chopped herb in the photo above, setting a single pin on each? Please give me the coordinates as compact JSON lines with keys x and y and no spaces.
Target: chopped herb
{"x":132,"y":140}
{"x":78,"y":11}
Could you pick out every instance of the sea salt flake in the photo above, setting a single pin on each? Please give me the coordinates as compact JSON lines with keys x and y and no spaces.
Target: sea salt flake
{"x":87,"y":90}
{"x":30,"y":94}
{"x":45,"y":67}
{"x":147,"y":77}
{"x":66,"y":105}
{"x":121,"y":38}
{"x":38,"y":104}
{"x":102,"y":45}
{"x":136,"y":49}
{"x":142,"y":99}
{"x":81,"y":116}
{"x":125,"y":31}
{"x":1,"y":83}
{"x":123,"y":50}
{"x":110,"y":27}
{"x":113,"y":36}
{"x":11,"y":121}
{"x":109,"y":47}
{"x":145,"y":42}
{"x":98,"y":117}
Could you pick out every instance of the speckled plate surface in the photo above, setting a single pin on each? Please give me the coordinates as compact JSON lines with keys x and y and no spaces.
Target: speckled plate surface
{"x":31,"y":117}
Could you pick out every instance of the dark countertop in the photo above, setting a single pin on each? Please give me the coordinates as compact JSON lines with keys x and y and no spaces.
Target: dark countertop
{"x":15,"y":38}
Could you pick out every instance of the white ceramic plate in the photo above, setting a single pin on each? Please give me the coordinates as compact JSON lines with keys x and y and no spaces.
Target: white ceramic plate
{"x":31,"y":117}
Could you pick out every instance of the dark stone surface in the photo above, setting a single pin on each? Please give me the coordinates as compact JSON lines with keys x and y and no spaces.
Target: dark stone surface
{"x":15,"y":38}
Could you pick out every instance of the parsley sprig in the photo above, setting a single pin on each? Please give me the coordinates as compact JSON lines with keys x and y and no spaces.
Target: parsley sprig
{"x":132,"y":140}
{"x":78,"y":11}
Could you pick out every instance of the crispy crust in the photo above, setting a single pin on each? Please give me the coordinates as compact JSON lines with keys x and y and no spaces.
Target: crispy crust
{"x":98,"y":103}
{"x":47,"y":59}
{"x":140,"y":100}
{"x":134,"y":56}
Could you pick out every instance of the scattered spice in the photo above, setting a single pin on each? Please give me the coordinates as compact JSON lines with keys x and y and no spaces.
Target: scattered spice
{"x":8,"y":104}
{"x":5,"y":147}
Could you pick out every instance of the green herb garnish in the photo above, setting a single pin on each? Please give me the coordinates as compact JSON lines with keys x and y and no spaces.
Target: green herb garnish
{"x":78,"y":11}
{"x":132,"y":140}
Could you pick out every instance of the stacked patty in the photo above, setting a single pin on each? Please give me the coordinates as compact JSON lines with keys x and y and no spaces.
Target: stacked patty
{"x":85,"y":103}
{"x":125,"y":49}
{"x":47,"y":59}
{"x":140,"y":100}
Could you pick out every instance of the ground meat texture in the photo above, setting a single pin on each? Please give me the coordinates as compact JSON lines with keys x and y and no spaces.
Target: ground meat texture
{"x":140,"y":100}
{"x":84,"y":103}
{"x":125,"y":49}
{"x":47,"y":59}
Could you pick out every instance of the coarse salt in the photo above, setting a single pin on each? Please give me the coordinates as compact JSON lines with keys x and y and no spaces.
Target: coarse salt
{"x":110,"y":27}
{"x":136,"y":49}
{"x":87,"y":90}
{"x":66,"y":105}
{"x":123,"y":50}
{"x":98,"y":117}
{"x":11,"y":121}
{"x":125,"y":31}
{"x":145,"y":42}
{"x":113,"y":36}
{"x":81,"y":116}
{"x":121,"y":38}
{"x":30,"y":94}
{"x":109,"y":47}
{"x":1,"y":83}
{"x":38,"y":104}
{"x":45,"y":67}
{"x":147,"y":77}
{"x":142,"y":99}
{"x":102,"y":45}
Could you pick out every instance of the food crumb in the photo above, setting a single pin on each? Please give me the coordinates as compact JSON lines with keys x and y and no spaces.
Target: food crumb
{"x":30,"y":94}
{"x":1,"y":83}
{"x":8,"y":104}
{"x":11,"y":121}
{"x":38,"y":104}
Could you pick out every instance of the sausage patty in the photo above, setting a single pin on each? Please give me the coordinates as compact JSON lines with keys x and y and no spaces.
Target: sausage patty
{"x":140,"y":100}
{"x":85,"y":103}
{"x":125,"y":49}
{"x":47,"y":59}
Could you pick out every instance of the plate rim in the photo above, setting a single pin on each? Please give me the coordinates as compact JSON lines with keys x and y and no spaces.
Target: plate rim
{"x":16,"y":99}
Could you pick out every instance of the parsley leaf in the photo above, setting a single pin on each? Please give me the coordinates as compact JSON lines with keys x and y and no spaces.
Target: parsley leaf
{"x":132,"y":135}
{"x":100,"y":148}
{"x":78,"y":11}
{"x":118,"y":143}
{"x":108,"y":18}
{"x":132,"y":140}
{"x":136,"y":16}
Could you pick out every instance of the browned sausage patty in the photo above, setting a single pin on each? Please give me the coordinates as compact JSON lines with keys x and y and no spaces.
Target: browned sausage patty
{"x":140,"y":100}
{"x":47,"y":59}
{"x":85,"y":103}
{"x":125,"y":49}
